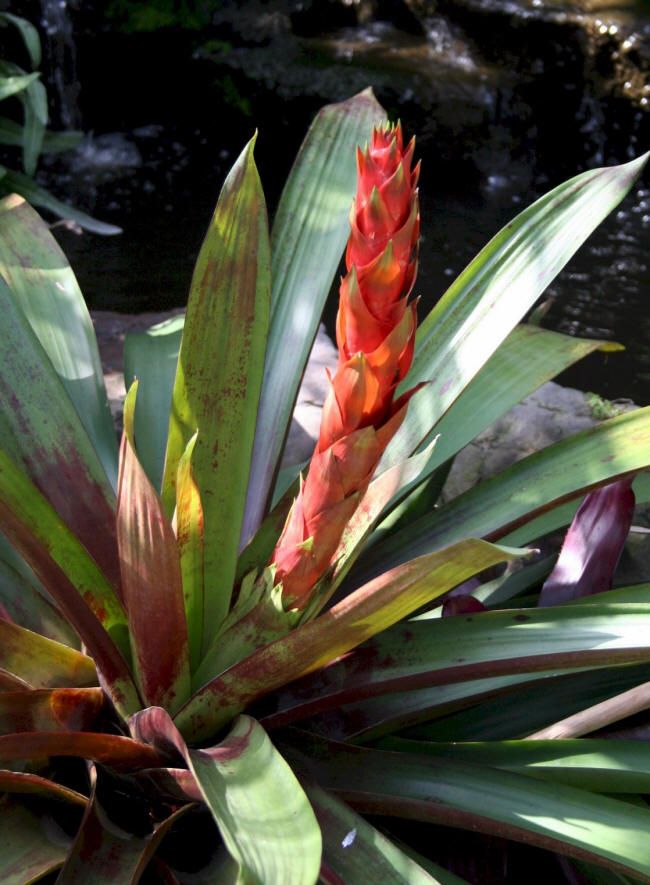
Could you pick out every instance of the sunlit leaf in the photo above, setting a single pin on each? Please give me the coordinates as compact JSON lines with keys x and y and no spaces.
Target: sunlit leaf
{"x":360,"y":615}
{"x":151,"y":357}
{"x":46,"y":290}
{"x":494,"y":292}
{"x":264,"y":817}
{"x":553,"y":816}
{"x":42,"y":662}
{"x":498,"y":505}
{"x":309,"y":234}
{"x":219,"y":375}
{"x":418,"y":654}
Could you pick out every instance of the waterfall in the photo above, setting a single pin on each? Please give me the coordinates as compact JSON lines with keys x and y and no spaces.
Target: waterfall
{"x":61,"y":59}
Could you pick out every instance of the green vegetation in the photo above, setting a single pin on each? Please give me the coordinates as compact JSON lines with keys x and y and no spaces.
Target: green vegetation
{"x":146,"y":627}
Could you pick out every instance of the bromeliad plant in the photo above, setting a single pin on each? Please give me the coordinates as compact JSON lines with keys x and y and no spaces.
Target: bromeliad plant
{"x":171,"y":618}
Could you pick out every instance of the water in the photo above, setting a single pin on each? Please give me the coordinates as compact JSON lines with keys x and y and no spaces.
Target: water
{"x":61,"y":59}
{"x":487,"y":148}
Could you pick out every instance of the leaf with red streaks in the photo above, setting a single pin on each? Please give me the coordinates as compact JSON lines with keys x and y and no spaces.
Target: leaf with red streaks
{"x":219,"y":375}
{"x":41,"y":430}
{"x":59,"y":709}
{"x":592,"y":546}
{"x":265,"y":819}
{"x":152,"y":587}
{"x":116,"y":752}
{"x":72,"y":578}
{"x":362,"y":614}
{"x":34,"y":784}
{"x":23,"y":599}
{"x":42,"y":662}
{"x":572,"y":821}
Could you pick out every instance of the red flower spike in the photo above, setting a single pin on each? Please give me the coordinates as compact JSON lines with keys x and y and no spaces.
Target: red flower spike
{"x":375,"y":333}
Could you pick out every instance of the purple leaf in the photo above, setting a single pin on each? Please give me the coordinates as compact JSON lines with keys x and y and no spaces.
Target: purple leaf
{"x":592,"y":546}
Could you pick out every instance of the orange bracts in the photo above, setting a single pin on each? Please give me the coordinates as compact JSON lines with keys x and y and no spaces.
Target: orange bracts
{"x":375,"y":333}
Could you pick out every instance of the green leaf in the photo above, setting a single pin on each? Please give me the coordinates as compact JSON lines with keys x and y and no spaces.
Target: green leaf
{"x":41,"y":430}
{"x":534,"y":705}
{"x":12,"y":85}
{"x":29,"y":36}
{"x":309,"y":234}
{"x":34,"y":100}
{"x":42,"y":662}
{"x":190,"y":543}
{"x":419,"y":654}
{"x":151,"y":357}
{"x":11,"y":133}
{"x":152,"y":587}
{"x":356,"y":852}
{"x":264,"y":817}
{"x":561,"y":516}
{"x":38,"y":196}
{"x":553,"y":816}
{"x":360,"y":615}
{"x":219,"y":375}
{"x":601,"y":766}
{"x":24,"y":600}
{"x":492,"y":294}
{"x":70,"y":575}
{"x":28,"y":850}
{"x":528,"y":358}
{"x":533,"y":485}
{"x":46,"y":290}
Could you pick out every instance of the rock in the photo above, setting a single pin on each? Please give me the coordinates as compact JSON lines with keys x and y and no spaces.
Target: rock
{"x":545,"y":417}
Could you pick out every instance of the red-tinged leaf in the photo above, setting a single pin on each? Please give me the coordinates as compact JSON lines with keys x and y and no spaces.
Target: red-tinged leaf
{"x":152,"y":587}
{"x":39,"y":534}
{"x":42,"y":662}
{"x":461,"y":605}
{"x":592,"y":546}
{"x":45,"y":288}
{"x":572,"y":821}
{"x":71,"y":577}
{"x":41,"y":430}
{"x":28,"y":850}
{"x":23,"y":602}
{"x":105,"y":854}
{"x":444,"y":651}
{"x":362,"y":614}
{"x":9,"y":682}
{"x":188,"y":519}
{"x":262,"y":812}
{"x":219,"y":376}
{"x":62,"y":709}
{"x":114,"y":751}
{"x":21,"y":782}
